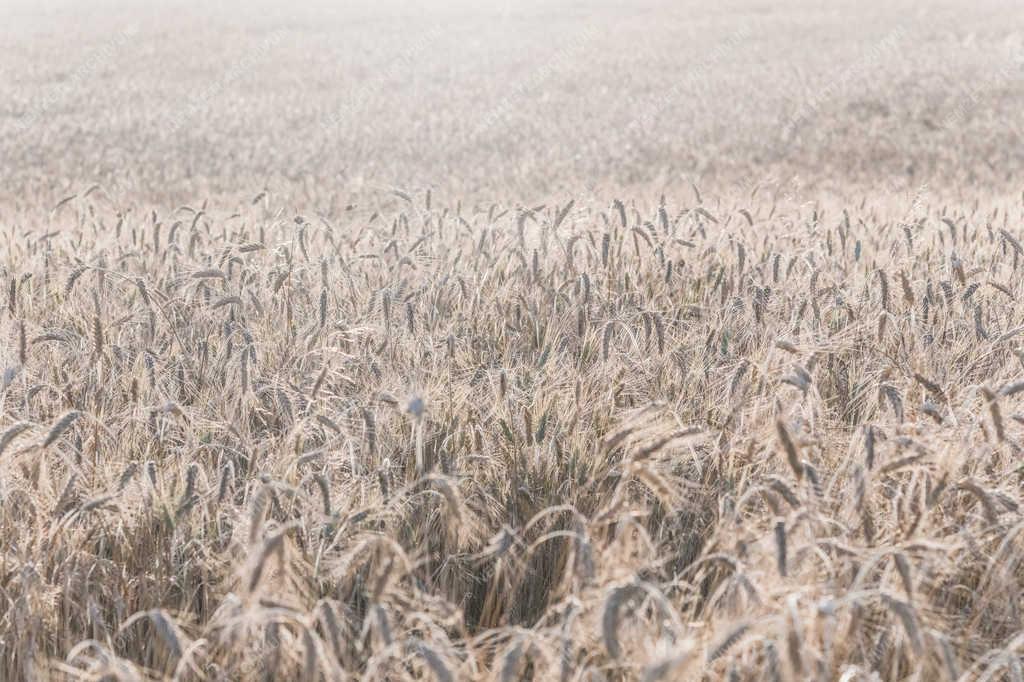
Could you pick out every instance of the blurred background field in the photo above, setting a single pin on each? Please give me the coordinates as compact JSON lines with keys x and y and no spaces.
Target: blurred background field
{"x":508,"y":101}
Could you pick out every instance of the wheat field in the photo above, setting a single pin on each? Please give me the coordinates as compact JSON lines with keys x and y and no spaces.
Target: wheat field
{"x":519,"y":341}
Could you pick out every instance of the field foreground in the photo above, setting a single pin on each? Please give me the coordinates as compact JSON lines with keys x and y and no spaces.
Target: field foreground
{"x":552,"y":443}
